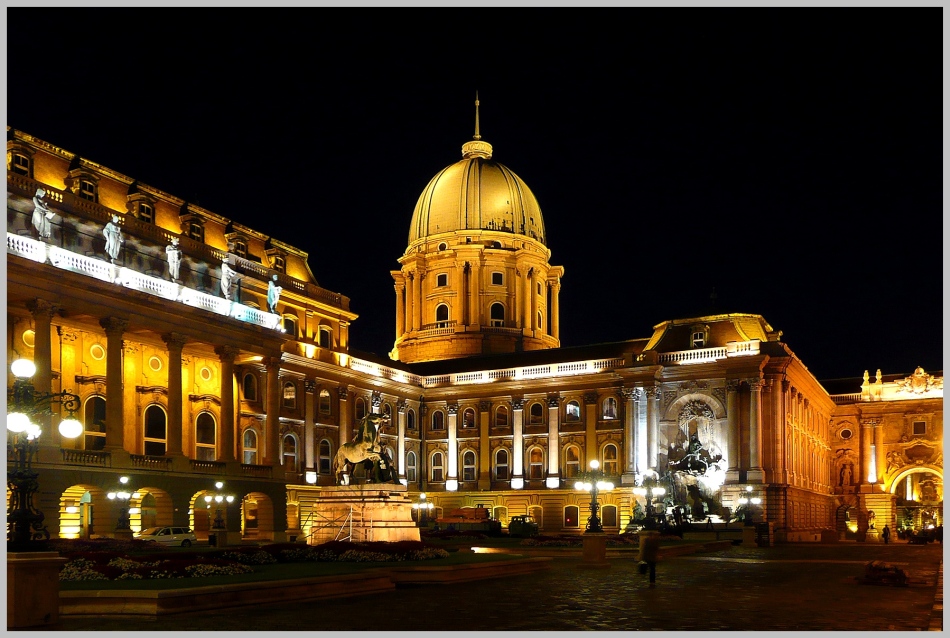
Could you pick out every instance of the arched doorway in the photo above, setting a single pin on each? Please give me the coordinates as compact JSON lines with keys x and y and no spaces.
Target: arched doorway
{"x":918,"y":499}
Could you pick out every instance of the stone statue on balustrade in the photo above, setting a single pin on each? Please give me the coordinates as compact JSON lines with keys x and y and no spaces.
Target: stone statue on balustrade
{"x":273,"y":294}
{"x":114,"y":238}
{"x":229,"y":277}
{"x":173,"y":252}
{"x":42,"y":214}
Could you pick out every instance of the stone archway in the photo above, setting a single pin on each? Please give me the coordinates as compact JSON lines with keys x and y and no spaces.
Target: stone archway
{"x":84,"y":512}
{"x":257,"y":516}
{"x":918,"y":496}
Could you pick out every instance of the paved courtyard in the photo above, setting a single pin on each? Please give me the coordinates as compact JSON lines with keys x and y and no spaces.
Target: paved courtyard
{"x":782,"y":588}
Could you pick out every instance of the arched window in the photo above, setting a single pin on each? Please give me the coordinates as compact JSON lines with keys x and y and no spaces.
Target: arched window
{"x":290,"y":325}
{"x":326,"y":453}
{"x":324,"y":337}
{"x":572,"y":461}
{"x":411,"y":419}
{"x":535,"y":463}
{"x":500,"y":513}
{"x":572,"y":412}
{"x":540,"y":321}
{"x":438,"y":420}
{"x":571,"y":516}
{"x":442,"y":316}
{"x":94,"y":423}
{"x":205,"y":433}
{"x":537,"y":513}
{"x":501,"y":416}
{"x":360,"y":410}
{"x":290,"y":395}
{"x":156,"y":429}
{"x":437,"y":467}
{"x":536,"y":413}
{"x":289,"y":453}
{"x":610,"y":408}
{"x":608,"y":516}
{"x":411,"y":468}
{"x":468,"y":418}
{"x":324,"y":402}
{"x":611,"y":463}
{"x":501,"y":464}
{"x":250,"y":447}
{"x":388,"y":412}
{"x":468,"y":465}
{"x":250,"y":386}
{"x":497,"y":315}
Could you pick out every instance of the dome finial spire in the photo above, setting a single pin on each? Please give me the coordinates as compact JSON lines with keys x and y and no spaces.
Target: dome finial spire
{"x":478,"y":135}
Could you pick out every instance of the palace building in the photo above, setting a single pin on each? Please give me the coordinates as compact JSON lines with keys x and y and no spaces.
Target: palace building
{"x":193,"y":384}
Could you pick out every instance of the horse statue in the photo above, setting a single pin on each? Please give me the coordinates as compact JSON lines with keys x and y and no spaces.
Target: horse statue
{"x":364,"y":448}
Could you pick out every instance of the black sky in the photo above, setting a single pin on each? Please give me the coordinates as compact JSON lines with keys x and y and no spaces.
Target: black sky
{"x":789,"y":158}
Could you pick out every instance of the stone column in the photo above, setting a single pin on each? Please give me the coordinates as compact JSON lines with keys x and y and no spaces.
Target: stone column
{"x":400,"y":308}
{"x":484,"y":444}
{"x":527,"y":320}
{"x":631,"y":398}
{"x":227,"y":426}
{"x":452,"y":478}
{"x":653,"y":426}
{"x":779,"y":394}
{"x":554,"y":442}
{"x":42,"y":381}
{"x":271,"y":454}
{"x":755,"y":473}
{"x":309,"y":417}
{"x":343,"y":393}
{"x":417,"y":302}
{"x":868,"y":452}
{"x":517,"y":443}
{"x":175,"y":343}
{"x":556,"y":309}
{"x":732,"y":428}
{"x":115,"y":399}
{"x":473,"y":289}
{"x":590,"y":430}
{"x":401,"y":441}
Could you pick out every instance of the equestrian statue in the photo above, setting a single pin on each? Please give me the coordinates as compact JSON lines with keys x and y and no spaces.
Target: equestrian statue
{"x":365,"y":450}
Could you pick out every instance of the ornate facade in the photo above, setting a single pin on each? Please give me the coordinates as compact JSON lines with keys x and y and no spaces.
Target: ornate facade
{"x":187,"y":375}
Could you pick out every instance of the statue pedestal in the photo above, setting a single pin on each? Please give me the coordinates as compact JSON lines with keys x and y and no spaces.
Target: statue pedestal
{"x":33,"y":589}
{"x":872,"y":536}
{"x":373,"y":512}
{"x":595,"y":551}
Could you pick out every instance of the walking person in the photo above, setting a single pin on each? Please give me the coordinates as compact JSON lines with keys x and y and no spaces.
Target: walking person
{"x":649,"y":553}
{"x":886,"y":534}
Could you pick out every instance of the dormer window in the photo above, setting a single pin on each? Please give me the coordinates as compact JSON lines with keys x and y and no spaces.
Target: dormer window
{"x":196,"y":231}
{"x":240,"y":248}
{"x":19,"y":162}
{"x":699,"y":336}
{"x":144,"y":212}
{"x":88,"y":190}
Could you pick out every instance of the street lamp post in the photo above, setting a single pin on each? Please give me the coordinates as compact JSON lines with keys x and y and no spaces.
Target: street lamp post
{"x":219,"y":524}
{"x":594,"y":482}
{"x":24,"y":522}
{"x":747,"y":503}
{"x":122,"y":495}
{"x":422,"y":507}
{"x":651,"y":492}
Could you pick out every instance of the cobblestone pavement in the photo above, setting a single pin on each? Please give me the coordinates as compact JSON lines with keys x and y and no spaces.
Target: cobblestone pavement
{"x":789,"y":587}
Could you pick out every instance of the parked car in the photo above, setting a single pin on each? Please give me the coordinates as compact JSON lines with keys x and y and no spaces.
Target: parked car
{"x":178,"y":536}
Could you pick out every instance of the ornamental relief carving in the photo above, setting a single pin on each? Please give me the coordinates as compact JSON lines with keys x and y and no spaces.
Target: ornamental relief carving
{"x":720,"y":394}
{"x":668,"y":397}
{"x":919,"y":383}
{"x":693,"y":385}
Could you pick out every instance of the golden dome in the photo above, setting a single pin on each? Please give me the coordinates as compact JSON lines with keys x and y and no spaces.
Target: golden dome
{"x":477,"y":193}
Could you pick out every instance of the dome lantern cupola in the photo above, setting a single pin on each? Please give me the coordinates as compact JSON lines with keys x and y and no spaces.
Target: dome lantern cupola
{"x":475,"y":277}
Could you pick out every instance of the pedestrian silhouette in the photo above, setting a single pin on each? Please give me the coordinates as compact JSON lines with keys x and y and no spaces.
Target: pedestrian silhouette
{"x":886,"y":534}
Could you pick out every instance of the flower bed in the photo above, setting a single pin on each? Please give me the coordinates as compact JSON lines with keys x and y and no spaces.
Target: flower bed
{"x":577,"y":540}
{"x":119,"y":560}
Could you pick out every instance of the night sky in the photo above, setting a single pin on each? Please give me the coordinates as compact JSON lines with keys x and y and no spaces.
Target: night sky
{"x":790,"y":159}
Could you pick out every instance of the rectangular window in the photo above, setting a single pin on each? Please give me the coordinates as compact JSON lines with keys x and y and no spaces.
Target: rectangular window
{"x":920,"y":427}
{"x":279,"y":264}
{"x":196,"y":231}
{"x":497,"y":279}
{"x":442,"y":280}
{"x":699,"y":339}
